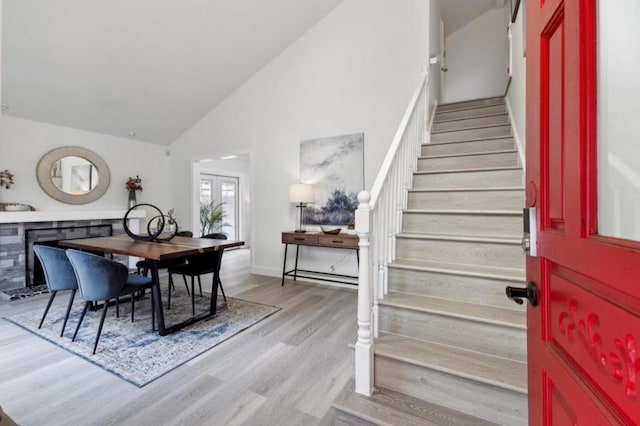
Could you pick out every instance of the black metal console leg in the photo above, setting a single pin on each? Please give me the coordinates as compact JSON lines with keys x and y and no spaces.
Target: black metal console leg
{"x":284,"y":264}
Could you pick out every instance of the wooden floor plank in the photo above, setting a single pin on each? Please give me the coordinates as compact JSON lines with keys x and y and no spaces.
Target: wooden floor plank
{"x":285,"y":370}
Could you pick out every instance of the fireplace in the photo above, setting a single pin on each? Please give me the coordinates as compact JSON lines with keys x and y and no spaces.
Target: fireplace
{"x":34,"y":275}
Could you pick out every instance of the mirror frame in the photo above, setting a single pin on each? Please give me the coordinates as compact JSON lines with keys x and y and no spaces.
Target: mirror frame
{"x":43,"y":174}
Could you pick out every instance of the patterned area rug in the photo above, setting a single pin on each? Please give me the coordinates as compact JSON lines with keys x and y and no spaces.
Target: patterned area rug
{"x":131,"y":350}
{"x":21,"y":293}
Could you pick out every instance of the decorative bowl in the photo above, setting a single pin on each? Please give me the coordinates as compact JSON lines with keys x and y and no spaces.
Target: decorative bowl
{"x":332,"y":231}
{"x":16,"y":207}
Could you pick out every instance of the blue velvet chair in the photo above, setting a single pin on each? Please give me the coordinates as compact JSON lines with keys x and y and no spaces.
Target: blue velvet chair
{"x":59,"y":276}
{"x":200,"y":264}
{"x":102,"y":279}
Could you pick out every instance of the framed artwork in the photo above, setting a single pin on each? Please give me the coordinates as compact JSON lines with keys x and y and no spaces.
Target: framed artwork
{"x":335,"y":168}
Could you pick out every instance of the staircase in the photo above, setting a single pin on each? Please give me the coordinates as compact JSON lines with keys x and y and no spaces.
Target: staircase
{"x":452,"y":348}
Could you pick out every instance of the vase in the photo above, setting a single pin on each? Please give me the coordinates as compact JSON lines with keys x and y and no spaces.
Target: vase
{"x":132,"y":199}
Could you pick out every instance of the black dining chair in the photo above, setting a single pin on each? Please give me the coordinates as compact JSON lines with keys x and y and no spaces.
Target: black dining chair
{"x":59,"y":276}
{"x":197,"y":265}
{"x":144,"y":266}
{"x":103,"y":280}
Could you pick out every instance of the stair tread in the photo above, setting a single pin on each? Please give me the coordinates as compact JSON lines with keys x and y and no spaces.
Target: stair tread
{"x":468,"y":170}
{"x":486,"y":138}
{"x":455,"y":308}
{"x":481,"y":271}
{"x":468,"y":154}
{"x":516,"y":212}
{"x":490,"y":369}
{"x":468,"y":101}
{"x":392,"y":408}
{"x":449,"y":120}
{"x":474,"y":127}
{"x":461,"y":237}
{"x":495,"y":188}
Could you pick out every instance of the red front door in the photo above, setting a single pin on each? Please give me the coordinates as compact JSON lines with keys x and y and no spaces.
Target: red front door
{"x":584,"y":335}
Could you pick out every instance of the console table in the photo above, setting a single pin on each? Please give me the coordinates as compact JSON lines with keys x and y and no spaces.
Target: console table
{"x":318,"y":239}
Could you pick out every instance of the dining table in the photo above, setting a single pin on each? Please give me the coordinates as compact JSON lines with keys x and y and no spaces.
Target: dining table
{"x":178,"y":247}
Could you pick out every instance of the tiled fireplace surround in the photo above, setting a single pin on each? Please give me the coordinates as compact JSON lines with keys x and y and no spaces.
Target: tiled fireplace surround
{"x":12,"y":237}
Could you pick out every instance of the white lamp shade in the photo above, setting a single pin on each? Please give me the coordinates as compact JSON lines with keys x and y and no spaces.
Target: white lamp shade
{"x":301,"y":193}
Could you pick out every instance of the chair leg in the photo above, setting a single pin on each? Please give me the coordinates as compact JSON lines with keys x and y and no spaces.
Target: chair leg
{"x":186,"y":285}
{"x":118,"y":306}
{"x":153,"y":312}
{"x":66,"y":316}
{"x":200,"y":285}
{"x":132,"y":306}
{"x":46,"y":310}
{"x":84,"y":311}
{"x":102,"y":317}
{"x":193,"y":298}
{"x":224,"y":296}
{"x":169,"y":297}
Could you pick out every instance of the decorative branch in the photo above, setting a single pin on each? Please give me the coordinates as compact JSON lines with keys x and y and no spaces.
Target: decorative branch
{"x":6,"y":179}
{"x":134,"y":184}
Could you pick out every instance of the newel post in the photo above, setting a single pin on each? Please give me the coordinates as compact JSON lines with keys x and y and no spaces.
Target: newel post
{"x":364,"y":344}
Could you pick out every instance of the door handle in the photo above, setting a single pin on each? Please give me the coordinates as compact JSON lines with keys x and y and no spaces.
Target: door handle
{"x":444,"y":69}
{"x":530,"y":292}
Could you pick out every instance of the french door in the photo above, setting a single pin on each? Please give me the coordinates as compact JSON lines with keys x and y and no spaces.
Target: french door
{"x":583,"y":165}
{"x":225,"y":190}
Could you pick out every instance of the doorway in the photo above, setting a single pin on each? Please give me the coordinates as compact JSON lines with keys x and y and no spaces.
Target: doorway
{"x":223,"y":190}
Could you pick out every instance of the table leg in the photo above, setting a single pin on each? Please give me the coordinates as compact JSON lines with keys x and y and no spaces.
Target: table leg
{"x":157,"y":299}
{"x":284,"y":264}
{"x":214,"y":287}
{"x":295,"y":271}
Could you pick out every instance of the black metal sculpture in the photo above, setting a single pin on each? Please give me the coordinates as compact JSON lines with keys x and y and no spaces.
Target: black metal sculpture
{"x":161,"y":220}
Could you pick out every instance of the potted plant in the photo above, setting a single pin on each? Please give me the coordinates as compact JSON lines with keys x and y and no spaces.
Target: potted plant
{"x":211,"y":217}
{"x":133,"y":185}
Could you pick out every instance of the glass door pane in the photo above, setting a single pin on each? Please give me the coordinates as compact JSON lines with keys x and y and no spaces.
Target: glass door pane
{"x":229,"y":196}
{"x":618,"y":106}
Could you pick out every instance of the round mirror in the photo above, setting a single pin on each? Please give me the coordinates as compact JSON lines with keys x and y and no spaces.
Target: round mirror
{"x":73,"y":175}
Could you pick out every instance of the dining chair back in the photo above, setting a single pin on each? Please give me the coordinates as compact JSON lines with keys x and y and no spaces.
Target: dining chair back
{"x":103,"y":280}
{"x":197,"y":265}
{"x":58,"y":275}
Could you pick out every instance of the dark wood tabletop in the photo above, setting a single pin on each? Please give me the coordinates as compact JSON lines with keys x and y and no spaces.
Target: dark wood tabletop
{"x":177,"y":247}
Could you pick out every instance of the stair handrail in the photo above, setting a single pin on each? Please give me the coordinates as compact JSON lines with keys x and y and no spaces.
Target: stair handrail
{"x":378,"y":219}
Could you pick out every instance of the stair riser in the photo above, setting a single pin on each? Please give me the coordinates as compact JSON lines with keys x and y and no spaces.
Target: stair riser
{"x":507,"y":159}
{"x":471,"y":134}
{"x":477,"y":336}
{"x":476,"y":103}
{"x":478,"y":179}
{"x":465,"y":224}
{"x":468,"y":147}
{"x":472,"y":200}
{"x":466,"y":252}
{"x":482,"y":291}
{"x":469,"y":113}
{"x":492,"y":120}
{"x":491,"y":403}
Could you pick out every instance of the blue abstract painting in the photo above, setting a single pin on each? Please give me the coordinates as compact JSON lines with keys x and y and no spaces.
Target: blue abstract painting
{"x":335,"y":168}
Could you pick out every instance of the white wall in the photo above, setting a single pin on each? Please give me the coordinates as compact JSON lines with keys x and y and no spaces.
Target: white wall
{"x":477,"y":56}
{"x":435,"y":15}
{"x":24,"y":142}
{"x":355,"y":71}
{"x":516,"y":97}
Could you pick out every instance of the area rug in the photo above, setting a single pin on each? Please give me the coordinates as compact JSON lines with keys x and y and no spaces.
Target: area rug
{"x":21,"y":293}
{"x":131,"y":350}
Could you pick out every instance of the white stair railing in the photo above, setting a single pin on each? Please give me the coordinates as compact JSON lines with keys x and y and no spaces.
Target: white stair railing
{"x":378,"y":220}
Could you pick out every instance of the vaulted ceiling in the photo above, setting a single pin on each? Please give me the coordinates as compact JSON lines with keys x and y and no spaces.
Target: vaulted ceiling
{"x":149,"y":69}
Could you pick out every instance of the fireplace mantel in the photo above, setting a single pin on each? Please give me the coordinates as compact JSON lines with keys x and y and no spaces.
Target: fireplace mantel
{"x":67,"y":215}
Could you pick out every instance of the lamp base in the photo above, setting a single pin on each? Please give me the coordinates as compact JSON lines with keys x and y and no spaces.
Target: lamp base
{"x":300,"y":231}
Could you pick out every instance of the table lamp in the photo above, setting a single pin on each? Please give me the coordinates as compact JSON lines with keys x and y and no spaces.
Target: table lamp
{"x":301,"y":193}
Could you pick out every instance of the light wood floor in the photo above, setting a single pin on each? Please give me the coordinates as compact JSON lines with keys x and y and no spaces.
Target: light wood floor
{"x":286,"y":370}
